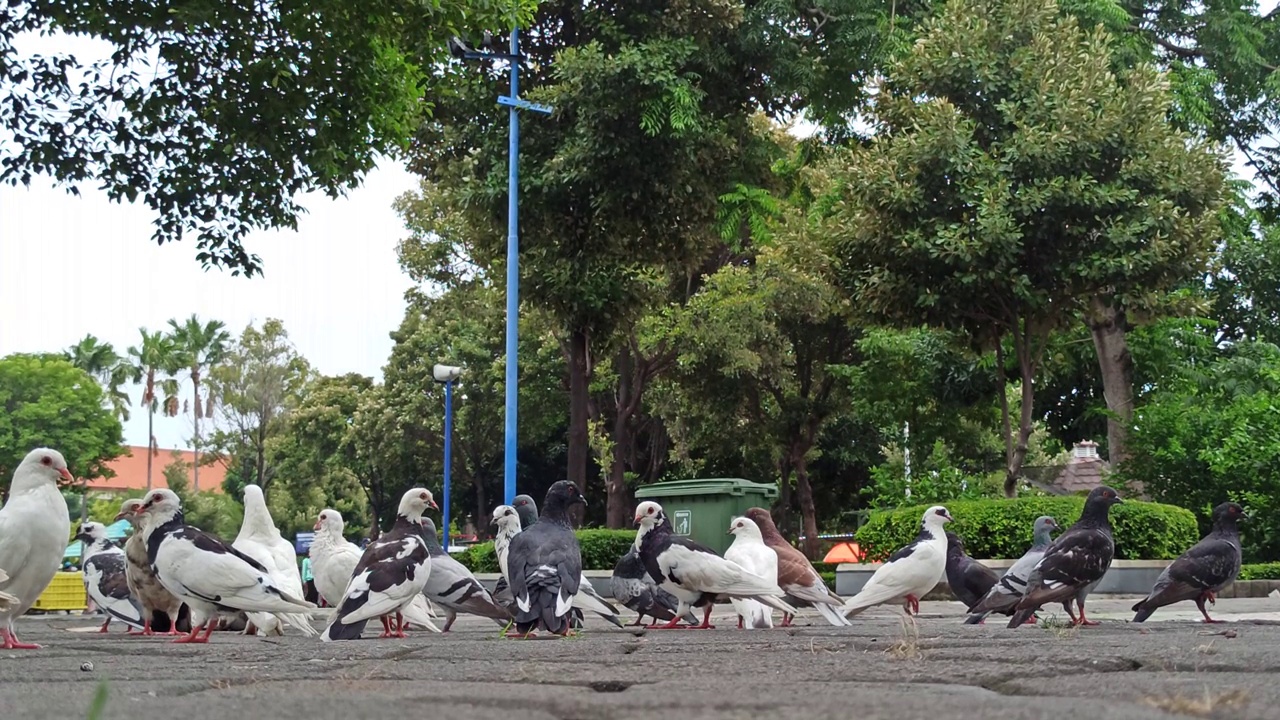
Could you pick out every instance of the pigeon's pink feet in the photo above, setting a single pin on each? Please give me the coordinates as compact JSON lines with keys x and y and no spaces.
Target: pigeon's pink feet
{"x":195,"y":630}
{"x":11,"y":642}
{"x":914,"y":603}
{"x":104,"y":626}
{"x":786,"y":620}
{"x":1031,"y":620}
{"x":146,"y":629}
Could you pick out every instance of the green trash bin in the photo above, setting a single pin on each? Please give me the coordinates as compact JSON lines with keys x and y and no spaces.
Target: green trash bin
{"x":702,"y":509}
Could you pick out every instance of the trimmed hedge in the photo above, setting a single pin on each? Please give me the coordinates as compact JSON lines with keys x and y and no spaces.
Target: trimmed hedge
{"x":601,"y":550}
{"x":1261,"y":571}
{"x":1002,"y":528}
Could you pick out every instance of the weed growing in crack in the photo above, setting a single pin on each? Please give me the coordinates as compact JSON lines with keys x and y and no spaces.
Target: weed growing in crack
{"x":907,"y":646}
{"x":1200,"y":706}
{"x":99,"y":703}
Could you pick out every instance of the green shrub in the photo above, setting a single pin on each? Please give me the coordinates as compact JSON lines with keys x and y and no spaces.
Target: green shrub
{"x":601,"y":550}
{"x":1002,"y":528}
{"x":830,"y":579}
{"x":1261,"y":571}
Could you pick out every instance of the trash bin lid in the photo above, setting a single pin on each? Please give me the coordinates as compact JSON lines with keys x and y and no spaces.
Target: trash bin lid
{"x":707,"y":486}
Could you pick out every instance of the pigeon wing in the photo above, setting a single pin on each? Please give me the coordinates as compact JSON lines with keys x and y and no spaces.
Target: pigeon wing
{"x":1077,"y":558}
{"x":1209,"y":564}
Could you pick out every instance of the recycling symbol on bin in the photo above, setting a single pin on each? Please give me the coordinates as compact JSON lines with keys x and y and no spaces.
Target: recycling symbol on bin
{"x":683,"y":522}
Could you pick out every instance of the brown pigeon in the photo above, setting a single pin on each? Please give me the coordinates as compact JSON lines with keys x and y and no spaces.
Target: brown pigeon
{"x":796,"y":575}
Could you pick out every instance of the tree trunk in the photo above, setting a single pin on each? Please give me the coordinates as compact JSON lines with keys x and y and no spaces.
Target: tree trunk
{"x":1027,"y":370}
{"x":782,"y":510}
{"x":151,"y":438}
{"x":1108,"y":325}
{"x":195,"y":417}
{"x":482,"y":507}
{"x":579,"y":409}
{"x":808,"y":511}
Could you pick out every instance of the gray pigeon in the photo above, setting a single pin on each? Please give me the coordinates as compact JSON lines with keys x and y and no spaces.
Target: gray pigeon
{"x":1013,"y":584}
{"x":452,"y":586}
{"x":587,"y":596}
{"x":969,"y":580}
{"x":1074,"y":563}
{"x":544,"y":563}
{"x":632,"y":586}
{"x":1199,"y":573}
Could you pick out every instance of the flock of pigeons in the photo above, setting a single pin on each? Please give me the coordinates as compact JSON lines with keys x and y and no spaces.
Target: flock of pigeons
{"x":174,"y":578}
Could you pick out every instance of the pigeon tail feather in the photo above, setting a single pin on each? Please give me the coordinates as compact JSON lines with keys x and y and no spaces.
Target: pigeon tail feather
{"x":831,"y":615}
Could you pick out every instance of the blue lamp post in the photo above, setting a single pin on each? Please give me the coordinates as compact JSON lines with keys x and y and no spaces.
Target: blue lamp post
{"x":447,"y":374}
{"x":462,"y":51}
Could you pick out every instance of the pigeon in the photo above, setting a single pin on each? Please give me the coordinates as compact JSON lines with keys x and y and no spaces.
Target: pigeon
{"x":796,"y":575}
{"x":206,"y":572}
{"x":749,"y":551}
{"x":587,"y":597}
{"x":260,"y":539}
{"x":391,"y":573}
{"x":545,"y":565}
{"x":6,"y":600}
{"x":632,"y":586}
{"x":911,"y":572}
{"x":1074,"y":563}
{"x":1200,"y":572}
{"x":103,"y":566}
{"x":507,"y":521}
{"x":1004,"y":595}
{"x":969,"y":580}
{"x":453,"y":587}
{"x":34,"y":527}
{"x":694,"y":573}
{"x":157,"y":602}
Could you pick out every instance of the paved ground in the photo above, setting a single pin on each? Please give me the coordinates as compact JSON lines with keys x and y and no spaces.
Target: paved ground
{"x":876,"y":669}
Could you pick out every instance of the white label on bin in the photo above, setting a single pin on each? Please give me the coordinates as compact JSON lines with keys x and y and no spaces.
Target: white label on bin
{"x":683,"y":522}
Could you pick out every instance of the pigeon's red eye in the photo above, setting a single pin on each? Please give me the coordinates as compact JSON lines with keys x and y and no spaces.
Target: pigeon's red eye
{"x":46,"y":460}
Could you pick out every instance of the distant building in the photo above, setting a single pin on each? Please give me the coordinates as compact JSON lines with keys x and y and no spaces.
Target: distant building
{"x":1082,"y":473}
{"x":131,"y":471}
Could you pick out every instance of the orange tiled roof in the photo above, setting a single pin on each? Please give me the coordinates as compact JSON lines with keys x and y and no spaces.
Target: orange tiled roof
{"x":131,"y":471}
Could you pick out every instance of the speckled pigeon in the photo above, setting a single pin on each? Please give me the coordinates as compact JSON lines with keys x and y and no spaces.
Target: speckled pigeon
{"x":1199,"y":573}
{"x":1004,"y":595}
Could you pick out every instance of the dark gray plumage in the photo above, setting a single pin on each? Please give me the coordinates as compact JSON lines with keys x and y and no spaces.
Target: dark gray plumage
{"x":1074,"y":563}
{"x":544,"y":564}
{"x":527,"y":509}
{"x":632,"y":586}
{"x":969,"y":580}
{"x":1200,"y":572}
{"x":1004,"y":595}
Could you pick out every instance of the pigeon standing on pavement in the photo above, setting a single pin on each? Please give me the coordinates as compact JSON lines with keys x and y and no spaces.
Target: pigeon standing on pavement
{"x":969,"y":580}
{"x":632,"y":586}
{"x":1011,"y":586}
{"x":158,"y":604}
{"x":1074,"y":563}
{"x":390,"y":575}
{"x":545,"y":564}
{"x":695,"y":574}
{"x":507,"y":523}
{"x":34,"y":527}
{"x":453,"y":587}
{"x":1202,"y":571}
{"x":103,"y":566}
{"x":260,"y":539}
{"x":206,"y":572}
{"x":749,"y":551}
{"x":911,"y":572}
{"x":796,"y":575}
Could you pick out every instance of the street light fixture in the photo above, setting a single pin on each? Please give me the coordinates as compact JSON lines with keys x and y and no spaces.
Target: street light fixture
{"x":447,"y":374}
{"x":462,"y":51}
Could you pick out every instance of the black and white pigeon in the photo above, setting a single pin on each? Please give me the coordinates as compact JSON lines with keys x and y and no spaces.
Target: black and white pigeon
{"x":545,"y":565}
{"x":632,"y":586}
{"x":695,"y":574}
{"x":1005,"y":594}
{"x":969,"y":580}
{"x":204,"y":571}
{"x":507,"y":525}
{"x":1202,"y":571}
{"x":911,"y":572}
{"x":390,"y":575}
{"x":34,"y":526}
{"x":1074,"y":563}
{"x":103,"y":567}
{"x":452,"y":586}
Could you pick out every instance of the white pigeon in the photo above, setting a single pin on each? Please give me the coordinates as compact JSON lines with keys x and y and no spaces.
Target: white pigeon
{"x":6,"y":600}
{"x":104,"y":567}
{"x":34,"y":528}
{"x":141,"y":577}
{"x":392,"y":572}
{"x":508,"y":524}
{"x":260,"y":539}
{"x":334,"y":560}
{"x":911,"y":572}
{"x":205,"y":571}
{"x":749,"y":551}
{"x":694,"y":573}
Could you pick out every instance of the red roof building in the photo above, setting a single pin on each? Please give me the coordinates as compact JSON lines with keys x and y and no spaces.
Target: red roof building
{"x":131,"y":471}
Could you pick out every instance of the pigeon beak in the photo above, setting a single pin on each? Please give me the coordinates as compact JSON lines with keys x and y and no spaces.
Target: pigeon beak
{"x":120,"y":516}
{"x":316,"y":526}
{"x":637,"y":520}
{"x":432,"y":504}
{"x":66,"y":475}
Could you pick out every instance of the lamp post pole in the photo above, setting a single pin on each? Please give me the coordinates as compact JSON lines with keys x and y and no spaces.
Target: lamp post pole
{"x":514,"y":103}
{"x":448,"y":457}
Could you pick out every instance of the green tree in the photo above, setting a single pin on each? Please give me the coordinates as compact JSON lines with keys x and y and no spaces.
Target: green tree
{"x":249,"y":106}
{"x":45,"y":401}
{"x":148,"y":363}
{"x":105,"y":365}
{"x":197,"y":347}
{"x":255,"y":385}
{"x":1000,"y":200}
{"x":214,"y":512}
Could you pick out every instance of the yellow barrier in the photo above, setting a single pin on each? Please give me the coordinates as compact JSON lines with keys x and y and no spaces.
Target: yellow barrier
{"x":66,"y":592}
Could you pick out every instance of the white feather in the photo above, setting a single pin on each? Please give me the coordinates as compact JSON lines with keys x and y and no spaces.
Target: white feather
{"x":260,"y":539}
{"x":915,"y":574}
{"x":749,"y":551}
{"x":34,"y":527}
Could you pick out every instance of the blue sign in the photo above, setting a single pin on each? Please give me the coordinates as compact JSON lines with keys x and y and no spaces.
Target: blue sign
{"x":302,"y":542}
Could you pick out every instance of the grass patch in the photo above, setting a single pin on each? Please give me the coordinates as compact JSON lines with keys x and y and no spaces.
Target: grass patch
{"x":1210,"y":703}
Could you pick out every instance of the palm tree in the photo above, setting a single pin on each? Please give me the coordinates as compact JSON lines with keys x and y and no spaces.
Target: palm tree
{"x":199,"y":346}
{"x":155,"y":355}
{"x":101,"y":361}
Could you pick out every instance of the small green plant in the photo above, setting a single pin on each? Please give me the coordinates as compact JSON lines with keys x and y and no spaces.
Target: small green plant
{"x":1260,"y":571}
{"x":99,"y":703}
